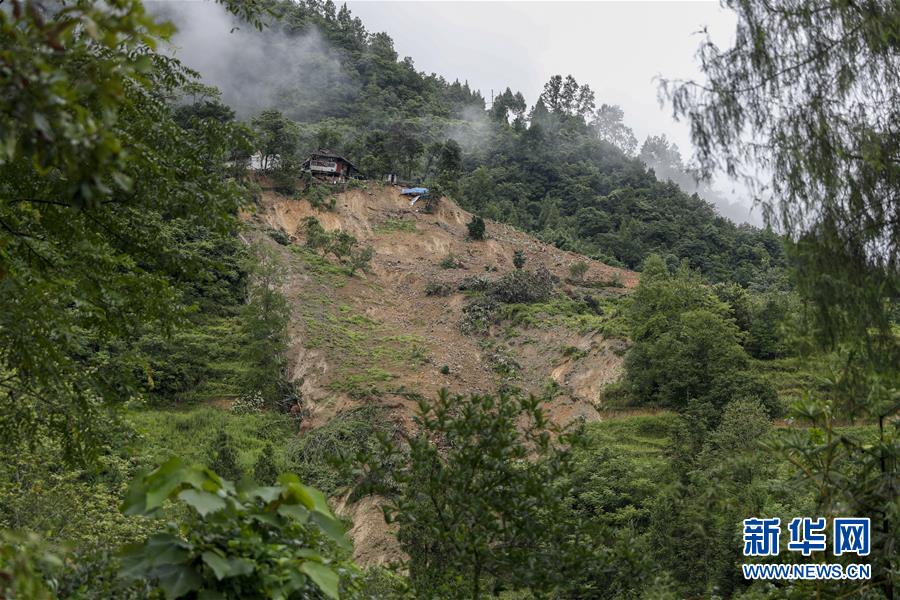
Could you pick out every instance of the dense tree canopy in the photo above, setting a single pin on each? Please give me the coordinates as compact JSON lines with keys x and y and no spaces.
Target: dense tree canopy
{"x":831,"y":147}
{"x":563,"y":169}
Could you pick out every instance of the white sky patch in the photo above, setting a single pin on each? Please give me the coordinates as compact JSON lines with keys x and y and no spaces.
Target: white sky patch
{"x":618,"y":48}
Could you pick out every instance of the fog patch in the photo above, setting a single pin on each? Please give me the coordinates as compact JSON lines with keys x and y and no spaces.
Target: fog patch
{"x":300,"y":74}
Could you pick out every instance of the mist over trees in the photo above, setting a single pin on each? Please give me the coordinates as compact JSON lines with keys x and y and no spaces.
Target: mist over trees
{"x":562,"y":168}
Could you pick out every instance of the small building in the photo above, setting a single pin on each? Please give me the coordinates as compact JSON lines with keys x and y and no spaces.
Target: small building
{"x":328,"y":165}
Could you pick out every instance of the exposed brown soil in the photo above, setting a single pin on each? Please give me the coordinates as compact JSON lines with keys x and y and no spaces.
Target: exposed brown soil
{"x":378,"y":338}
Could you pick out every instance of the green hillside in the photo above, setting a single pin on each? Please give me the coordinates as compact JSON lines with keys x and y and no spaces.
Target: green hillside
{"x":551,"y":376}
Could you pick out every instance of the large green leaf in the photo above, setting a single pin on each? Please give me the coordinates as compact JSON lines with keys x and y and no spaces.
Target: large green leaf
{"x":324,"y":577}
{"x":294,"y":511}
{"x":203,"y":502}
{"x":310,"y":497}
{"x":158,"y":550}
{"x":228,"y":567}
{"x":178,"y":580}
{"x":162,"y":482}
{"x":265,"y":493}
{"x":333,"y":528}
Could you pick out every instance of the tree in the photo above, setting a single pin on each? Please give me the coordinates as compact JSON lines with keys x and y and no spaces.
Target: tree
{"x":206,"y":104}
{"x":224,"y":457}
{"x":664,"y":157}
{"x":474,"y":497}
{"x":97,"y":178}
{"x":832,"y":156}
{"x":403,"y":147}
{"x":688,"y":361}
{"x":610,"y":126}
{"x":718,"y":480}
{"x":237,"y":542}
{"x":476,"y":228}
{"x":509,"y":103}
{"x":518,"y":259}
{"x":567,"y":97}
{"x":264,"y":320}
{"x":449,"y":166}
{"x":341,"y":244}
{"x":831,"y":149}
{"x":686,"y":346}
{"x":450,"y":159}
{"x":277,"y":139}
{"x":359,"y":259}
{"x":264,"y":470}
{"x":316,"y":236}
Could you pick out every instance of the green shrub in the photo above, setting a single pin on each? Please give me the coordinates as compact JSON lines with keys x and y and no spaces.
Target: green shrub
{"x":237,"y":542}
{"x":279,"y":236}
{"x":476,"y":228}
{"x":518,"y":259}
{"x":436,"y":288}
{"x":474,"y":283}
{"x":577,"y":270}
{"x":479,"y":315}
{"x":320,"y":196}
{"x":316,"y":455}
{"x":450,"y":262}
{"x":523,"y":287}
{"x":341,"y":244}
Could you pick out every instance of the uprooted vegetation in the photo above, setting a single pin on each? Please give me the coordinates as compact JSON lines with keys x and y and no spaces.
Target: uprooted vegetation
{"x":343,"y":246}
{"x":531,"y":299}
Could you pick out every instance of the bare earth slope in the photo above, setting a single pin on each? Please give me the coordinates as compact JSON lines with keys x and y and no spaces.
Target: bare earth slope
{"x":372,"y":335}
{"x":379,"y":338}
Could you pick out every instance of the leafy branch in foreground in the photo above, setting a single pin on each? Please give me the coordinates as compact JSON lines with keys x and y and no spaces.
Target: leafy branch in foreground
{"x":238,"y":541}
{"x":830,"y":149}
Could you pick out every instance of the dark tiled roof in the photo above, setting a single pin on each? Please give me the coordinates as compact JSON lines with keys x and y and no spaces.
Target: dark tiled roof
{"x":325,"y":153}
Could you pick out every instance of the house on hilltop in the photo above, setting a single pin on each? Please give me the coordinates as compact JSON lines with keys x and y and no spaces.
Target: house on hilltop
{"x":325,"y":164}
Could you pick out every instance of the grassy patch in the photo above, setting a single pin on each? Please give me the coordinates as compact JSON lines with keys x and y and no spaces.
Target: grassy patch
{"x":395,"y":225}
{"x":190,"y":434}
{"x":572,"y":314}
{"x":366,"y":354}
{"x":638,"y":435}
{"x":321,"y":269}
{"x":789,"y":376}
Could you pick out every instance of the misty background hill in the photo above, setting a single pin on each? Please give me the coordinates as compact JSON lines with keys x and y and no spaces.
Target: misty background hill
{"x":566,"y":167}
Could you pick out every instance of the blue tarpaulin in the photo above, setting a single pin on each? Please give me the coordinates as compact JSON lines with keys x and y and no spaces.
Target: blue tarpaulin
{"x":414,"y":191}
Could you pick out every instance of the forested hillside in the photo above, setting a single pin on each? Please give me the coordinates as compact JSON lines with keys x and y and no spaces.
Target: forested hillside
{"x":567,"y":168}
{"x":554,"y":375}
